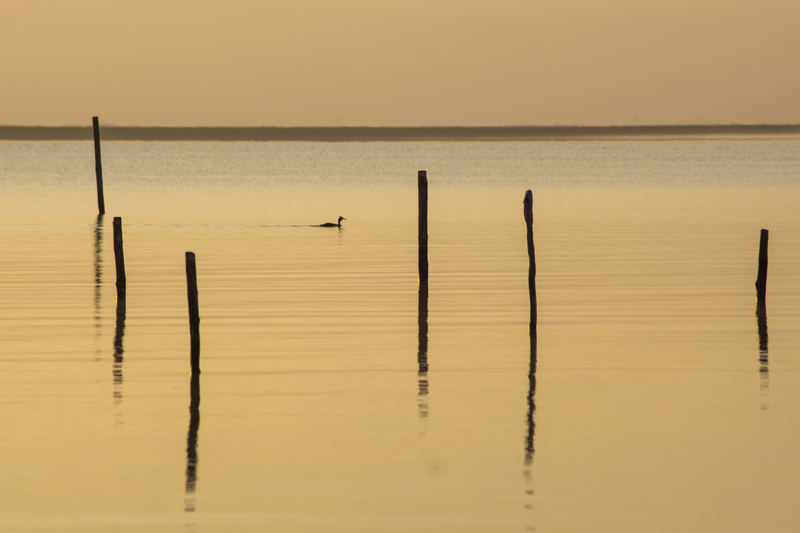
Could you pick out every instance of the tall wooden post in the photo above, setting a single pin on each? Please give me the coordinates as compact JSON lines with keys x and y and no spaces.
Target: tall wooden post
{"x":98,"y":166}
{"x":422,"y":184}
{"x":119,"y":258}
{"x":528,"y":211}
{"x":194,"y":312}
{"x":761,"y":280}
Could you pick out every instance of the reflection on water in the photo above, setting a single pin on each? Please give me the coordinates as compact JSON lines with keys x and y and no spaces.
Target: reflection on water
{"x":191,"y":444}
{"x":98,"y":267}
{"x":119,"y":332}
{"x":644,"y":405}
{"x":422,"y":351}
{"x":529,"y":450}
{"x":763,"y":350}
{"x":530,"y":424}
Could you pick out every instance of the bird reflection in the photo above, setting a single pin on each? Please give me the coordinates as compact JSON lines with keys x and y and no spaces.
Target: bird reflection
{"x":422,"y":352}
{"x":98,"y":267}
{"x":119,"y":332}
{"x":191,"y":443}
{"x":763,"y":349}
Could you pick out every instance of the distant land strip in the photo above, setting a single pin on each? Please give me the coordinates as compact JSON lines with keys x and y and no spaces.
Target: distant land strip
{"x":381,"y":134}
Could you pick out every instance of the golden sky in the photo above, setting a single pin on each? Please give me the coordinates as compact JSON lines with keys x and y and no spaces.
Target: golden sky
{"x":399,"y":62}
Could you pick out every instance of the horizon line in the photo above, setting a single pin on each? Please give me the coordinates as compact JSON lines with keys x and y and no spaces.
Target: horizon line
{"x":387,"y":133}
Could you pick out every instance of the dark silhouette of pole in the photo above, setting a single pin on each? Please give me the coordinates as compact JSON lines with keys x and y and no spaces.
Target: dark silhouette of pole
{"x":422,"y":184}
{"x":528,"y":211}
{"x":761,"y":280}
{"x":119,"y":258}
{"x":194,"y":312}
{"x":98,"y":166}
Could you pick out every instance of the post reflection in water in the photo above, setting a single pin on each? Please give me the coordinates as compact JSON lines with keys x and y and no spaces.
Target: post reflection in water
{"x":763,"y":349}
{"x":98,"y":267}
{"x":530,"y":424}
{"x":422,"y":352}
{"x":119,"y":332}
{"x":191,"y":444}
{"x":531,"y":401}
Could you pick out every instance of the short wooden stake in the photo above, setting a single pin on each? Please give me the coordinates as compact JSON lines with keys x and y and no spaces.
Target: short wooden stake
{"x":761,"y":280}
{"x":119,"y":258}
{"x":98,"y":166}
{"x":528,"y":211}
{"x":194,"y":312}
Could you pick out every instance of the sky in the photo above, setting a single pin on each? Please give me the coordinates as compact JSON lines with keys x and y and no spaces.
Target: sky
{"x":399,"y":62}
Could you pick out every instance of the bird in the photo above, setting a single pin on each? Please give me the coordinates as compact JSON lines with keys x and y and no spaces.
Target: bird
{"x":332,"y":225}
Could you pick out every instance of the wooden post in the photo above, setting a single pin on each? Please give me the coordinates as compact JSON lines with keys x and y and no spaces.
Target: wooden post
{"x":194,"y":312}
{"x":761,"y":280}
{"x":98,"y":166}
{"x":119,"y":258}
{"x":422,"y":184}
{"x":528,"y":211}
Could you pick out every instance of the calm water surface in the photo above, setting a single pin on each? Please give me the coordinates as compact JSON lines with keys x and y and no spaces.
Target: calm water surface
{"x":332,"y":400}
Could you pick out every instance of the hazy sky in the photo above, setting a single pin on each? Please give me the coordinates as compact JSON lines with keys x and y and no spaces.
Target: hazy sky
{"x":399,"y":62}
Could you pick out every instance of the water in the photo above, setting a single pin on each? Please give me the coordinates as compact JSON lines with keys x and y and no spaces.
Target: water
{"x":654,"y":406}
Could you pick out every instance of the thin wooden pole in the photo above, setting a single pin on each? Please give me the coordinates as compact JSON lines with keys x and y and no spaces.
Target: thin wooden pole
{"x":761,"y":280}
{"x":98,"y":166}
{"x":422,"y":184}
{"x":194,"y":312}
{"x":119,"y":258}
{"x":528,"y":211}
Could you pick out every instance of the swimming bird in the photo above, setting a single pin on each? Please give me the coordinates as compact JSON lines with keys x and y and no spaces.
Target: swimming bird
{"x":332,"y":225}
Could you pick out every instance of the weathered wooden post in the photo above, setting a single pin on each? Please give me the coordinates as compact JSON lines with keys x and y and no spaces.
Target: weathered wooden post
{"x":194,"y":312}
{"x":761,"y":280}
{"x":528,"y":211}
{"x":422,"y":184}
{"x":119,"y":258}
{"x":98,"y":166}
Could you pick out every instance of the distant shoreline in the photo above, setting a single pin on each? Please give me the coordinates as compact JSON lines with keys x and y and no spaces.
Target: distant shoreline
{"x":398,"y":134}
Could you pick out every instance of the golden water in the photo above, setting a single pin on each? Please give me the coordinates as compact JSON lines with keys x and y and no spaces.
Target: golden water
{"x":653,"y":407}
